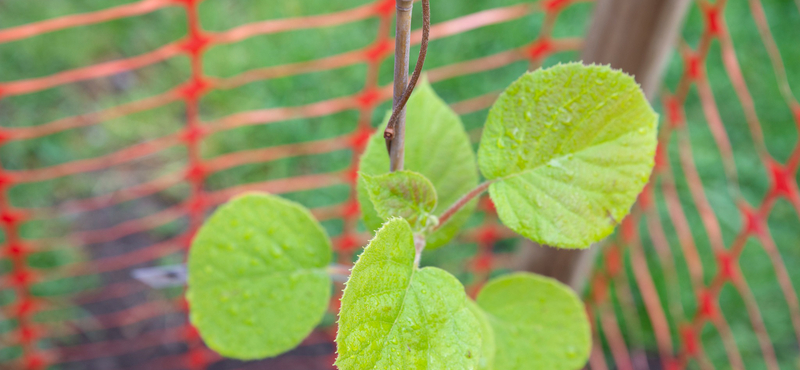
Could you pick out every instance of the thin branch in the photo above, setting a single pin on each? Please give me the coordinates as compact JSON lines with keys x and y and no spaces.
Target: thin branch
{"x":419,"y":246}
{"x":339,"y":273}
{"x":396,"y":124}
{"x":461,"y":203}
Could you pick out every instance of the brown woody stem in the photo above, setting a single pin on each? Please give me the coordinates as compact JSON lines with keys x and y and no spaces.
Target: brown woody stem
{"x":395,"y":129}
{"x":339,"y":273}
{"x":419,"y":246}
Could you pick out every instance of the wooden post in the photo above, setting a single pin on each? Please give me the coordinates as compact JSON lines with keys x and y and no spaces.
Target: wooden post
{"x":636,"y":36}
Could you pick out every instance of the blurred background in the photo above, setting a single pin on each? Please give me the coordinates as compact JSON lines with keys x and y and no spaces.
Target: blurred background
{"x":124,"y":123}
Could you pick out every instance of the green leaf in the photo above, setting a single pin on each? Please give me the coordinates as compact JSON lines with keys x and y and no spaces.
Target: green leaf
{"x":539,"y":323}
{"x":257,"y":277}
{"x":438,"y":148}
{"x":404,"y":194}
{"x":571,"y":147}
{"x":488,"y":349}
{"x":395,"y":316}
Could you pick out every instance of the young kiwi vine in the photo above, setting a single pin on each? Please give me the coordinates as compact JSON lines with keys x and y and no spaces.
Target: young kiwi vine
{"x":389,"y":132}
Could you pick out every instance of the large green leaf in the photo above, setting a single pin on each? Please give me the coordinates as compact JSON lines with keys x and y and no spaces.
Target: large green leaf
{"x":539,"y":323}
{"x":438,"y":148}
{"x":395,"y":316}
{"x":571,"y":147}
{"x":488,"y":349}
{"x":404,"y":194}
{"x":257,"y":277}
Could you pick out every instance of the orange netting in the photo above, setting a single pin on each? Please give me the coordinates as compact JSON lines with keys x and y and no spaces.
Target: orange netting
{"x":678,"y":332}
{"x":34,"y":337}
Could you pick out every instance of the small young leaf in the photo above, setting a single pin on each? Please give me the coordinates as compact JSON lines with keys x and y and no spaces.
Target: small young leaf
{"x":404,"y":194}
{"x":437,"y":147}
{"x":394,"y":316}
{"x":257,"y":277}
{"x":571,"y":147}
{"x":539,"y":323}
{"x":488,"y":349}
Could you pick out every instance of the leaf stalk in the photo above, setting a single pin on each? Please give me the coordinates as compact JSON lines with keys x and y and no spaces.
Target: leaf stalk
{"x":461,"y":203}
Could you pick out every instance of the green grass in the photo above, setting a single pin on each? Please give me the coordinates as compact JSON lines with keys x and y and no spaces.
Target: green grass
{"x":754,"y":181}
{"x":77,"y":47}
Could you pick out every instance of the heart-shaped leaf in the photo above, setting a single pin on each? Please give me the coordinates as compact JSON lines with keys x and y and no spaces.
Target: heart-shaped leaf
{"x":258,"y":282}
{"x":570,"y":148}
{"x":437,"y":147}
{"x":395,"y":316}
{"x":488,"y":349}
{"x":404,"y":194}
{"x":539,"y":323}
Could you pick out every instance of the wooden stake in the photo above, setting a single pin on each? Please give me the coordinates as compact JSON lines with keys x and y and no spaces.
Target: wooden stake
{"x":636,"y":36}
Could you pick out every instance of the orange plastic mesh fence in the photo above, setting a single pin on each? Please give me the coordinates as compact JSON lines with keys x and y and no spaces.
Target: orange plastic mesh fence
{"x":709,"y":264}
{"x":36,"y":325}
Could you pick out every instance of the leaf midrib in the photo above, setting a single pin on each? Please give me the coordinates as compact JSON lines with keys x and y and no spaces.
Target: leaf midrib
{"x":400,"y":312}
{"x":563,"y":156}
{"x":385,"y":339}
{"x":410,"y":203}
